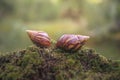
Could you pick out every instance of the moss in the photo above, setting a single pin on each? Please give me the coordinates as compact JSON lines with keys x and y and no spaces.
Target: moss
{"x":35,"y":63}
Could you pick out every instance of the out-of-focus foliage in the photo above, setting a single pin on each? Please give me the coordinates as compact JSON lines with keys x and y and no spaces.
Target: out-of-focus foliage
{"x":6,"y":8}
{"x":99,"y":19}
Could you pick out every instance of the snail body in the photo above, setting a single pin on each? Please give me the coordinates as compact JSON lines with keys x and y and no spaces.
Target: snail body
{"x":39,"y":38}
{"x":70,"y":42}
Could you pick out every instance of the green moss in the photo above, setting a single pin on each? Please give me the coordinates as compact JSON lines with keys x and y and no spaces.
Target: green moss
{"x":35,"y":63}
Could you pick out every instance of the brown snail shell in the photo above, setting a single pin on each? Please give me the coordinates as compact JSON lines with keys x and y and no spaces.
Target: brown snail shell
{"x":39,"y":38}
{"x":70,"y":42}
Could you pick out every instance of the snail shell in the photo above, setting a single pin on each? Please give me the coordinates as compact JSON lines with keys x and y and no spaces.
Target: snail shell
{"x":39,"y":38}
{"x":70,"y":42}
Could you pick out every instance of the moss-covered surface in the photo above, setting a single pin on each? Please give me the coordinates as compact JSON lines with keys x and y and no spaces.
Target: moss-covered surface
{"x":52,"y":64}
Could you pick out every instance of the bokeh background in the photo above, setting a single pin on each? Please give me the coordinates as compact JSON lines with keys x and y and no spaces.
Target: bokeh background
{"x":100,"y":19}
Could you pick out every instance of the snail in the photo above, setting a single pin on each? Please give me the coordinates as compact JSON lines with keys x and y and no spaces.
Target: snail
{"x":70,"y":42}
{"x":39,"y":38}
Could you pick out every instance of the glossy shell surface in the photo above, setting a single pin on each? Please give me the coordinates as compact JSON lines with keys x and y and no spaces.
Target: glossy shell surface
{"x":70,"y":42}
{"x":39,"y":38}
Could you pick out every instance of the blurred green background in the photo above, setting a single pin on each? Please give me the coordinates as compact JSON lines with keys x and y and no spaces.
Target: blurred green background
{"x":100,"y":19}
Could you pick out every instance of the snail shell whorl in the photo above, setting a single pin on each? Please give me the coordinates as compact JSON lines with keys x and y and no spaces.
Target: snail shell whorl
{"x":70,"y":42}
{"x":39,"y":38}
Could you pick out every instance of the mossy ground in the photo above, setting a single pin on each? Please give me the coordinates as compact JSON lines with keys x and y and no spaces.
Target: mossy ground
{"x":53,"y":64}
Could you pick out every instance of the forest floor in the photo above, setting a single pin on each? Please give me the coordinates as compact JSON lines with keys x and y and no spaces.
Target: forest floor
{"x":35,"y":63}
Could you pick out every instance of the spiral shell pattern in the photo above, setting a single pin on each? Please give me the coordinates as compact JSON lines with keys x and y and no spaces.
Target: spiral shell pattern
{"x":70,"y":42}
{"x":39,"y":38}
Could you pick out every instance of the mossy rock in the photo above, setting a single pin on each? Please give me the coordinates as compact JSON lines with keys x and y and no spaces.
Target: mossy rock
{"x":53,"y":64}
